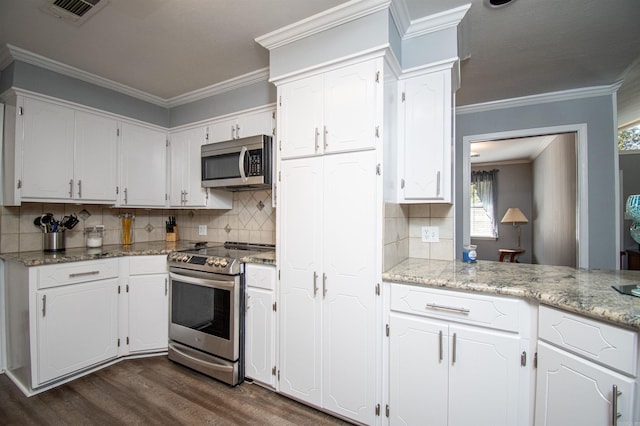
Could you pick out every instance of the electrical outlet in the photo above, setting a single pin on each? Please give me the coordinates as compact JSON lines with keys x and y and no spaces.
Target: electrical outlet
{"x":430,"y":234}
{"x":202,"y":229}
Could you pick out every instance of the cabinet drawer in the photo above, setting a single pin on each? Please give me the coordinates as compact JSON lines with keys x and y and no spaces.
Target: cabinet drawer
{"x":260,"y":276}
{"x":143,"y":265}
{"x":603,"y":343}
{"x":487,"y":311}
{"x":76,"y":272}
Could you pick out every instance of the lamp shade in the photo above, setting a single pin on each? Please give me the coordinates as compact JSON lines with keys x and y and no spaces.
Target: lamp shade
{"x":514,"y":215}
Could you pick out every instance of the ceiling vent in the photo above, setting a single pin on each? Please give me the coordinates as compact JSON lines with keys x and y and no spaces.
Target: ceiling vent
{"x":73,"y":11}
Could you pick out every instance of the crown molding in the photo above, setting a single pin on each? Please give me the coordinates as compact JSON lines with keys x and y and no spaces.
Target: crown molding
{"x":322,"y":21}
{"x":215,"y":89}
{"x":10,"y":53}
{"x":436,"y":22}
{"x":400,"y":15}
{"x":565,"y":95}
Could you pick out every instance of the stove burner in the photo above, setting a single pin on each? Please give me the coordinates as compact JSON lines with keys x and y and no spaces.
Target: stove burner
{"x":224,"y":259}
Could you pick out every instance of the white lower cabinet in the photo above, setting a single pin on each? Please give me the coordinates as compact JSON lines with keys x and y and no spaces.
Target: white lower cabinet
{"x":260,"y":324}
{"x":587,"y":372}
{"x":327,"y":301}
{"x":76,"y":327}
{"x":451,"y":362}
{"x":147,"y":303}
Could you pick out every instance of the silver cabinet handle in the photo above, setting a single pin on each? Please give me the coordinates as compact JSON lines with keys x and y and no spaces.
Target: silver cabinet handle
{"x":71,"y":188}
{"x":184,"y":197}
{"x":447,"y":308}
{"x":166,"y":287}
{"x":233,"y":131}
{"x":615,"y":415}
{"x":438,"y":184}
{"x":83,"y":274}
{"x":44,"y":305}
{"x":126,"y":196}
{"x":326,"y":132}
{"x":79,"y":188}
{"x":440,"y":354}
{"x":453,"y":355}
{"x":237,"y":131}
{"x":401,"y":183}
{"x":315,"y":283}
{"x":324,"y":285}
{"x":316,"y":137}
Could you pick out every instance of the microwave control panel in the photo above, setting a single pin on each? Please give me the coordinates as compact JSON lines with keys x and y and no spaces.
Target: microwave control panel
{"x":255,"y":162}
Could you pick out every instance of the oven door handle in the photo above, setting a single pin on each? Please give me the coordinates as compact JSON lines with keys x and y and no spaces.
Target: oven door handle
{"x":243,"y":153}
{"x":213,"y":283}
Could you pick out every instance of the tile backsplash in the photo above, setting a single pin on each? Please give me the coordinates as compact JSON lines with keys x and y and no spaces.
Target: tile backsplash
{"x":251,"y":219}
{"x":402,"y":229}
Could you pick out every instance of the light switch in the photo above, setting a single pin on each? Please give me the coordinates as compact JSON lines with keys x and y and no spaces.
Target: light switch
{"x":202,"y":229}
{"x":430,"y":234}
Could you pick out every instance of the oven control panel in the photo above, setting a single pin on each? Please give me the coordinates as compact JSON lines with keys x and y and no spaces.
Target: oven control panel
{"x":203,"y":263}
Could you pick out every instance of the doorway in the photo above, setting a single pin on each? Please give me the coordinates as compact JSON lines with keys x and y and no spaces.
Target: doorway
{"x":581,"y":193}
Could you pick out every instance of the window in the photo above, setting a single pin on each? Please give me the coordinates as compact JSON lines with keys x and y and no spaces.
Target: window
{"x":481,"y":224}
{"x":629,"y":139}
{"x":484,"y":191}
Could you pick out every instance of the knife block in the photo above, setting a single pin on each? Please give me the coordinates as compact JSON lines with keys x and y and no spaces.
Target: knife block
{"x":173,"y":236}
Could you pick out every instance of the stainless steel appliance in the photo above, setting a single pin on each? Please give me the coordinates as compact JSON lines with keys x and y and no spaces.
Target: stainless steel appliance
{"x":206,"y":316}
{"x":238,"y":164}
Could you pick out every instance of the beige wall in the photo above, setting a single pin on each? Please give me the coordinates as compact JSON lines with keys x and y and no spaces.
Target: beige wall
{"x":554,"y":203}
{"x":251,"y":219}
{"x":402,"y":233}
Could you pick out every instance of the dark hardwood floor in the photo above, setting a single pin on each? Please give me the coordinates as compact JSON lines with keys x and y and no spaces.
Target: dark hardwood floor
{"x":153,"y":391}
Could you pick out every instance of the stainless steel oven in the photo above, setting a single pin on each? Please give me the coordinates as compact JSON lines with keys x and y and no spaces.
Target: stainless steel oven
{"x":206,"y":315}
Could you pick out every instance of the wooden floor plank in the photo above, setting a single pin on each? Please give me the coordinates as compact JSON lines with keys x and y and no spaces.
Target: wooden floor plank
{"x":153,"y":391}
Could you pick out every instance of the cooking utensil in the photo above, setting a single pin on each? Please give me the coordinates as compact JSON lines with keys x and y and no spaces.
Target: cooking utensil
{"x":70,"y":222}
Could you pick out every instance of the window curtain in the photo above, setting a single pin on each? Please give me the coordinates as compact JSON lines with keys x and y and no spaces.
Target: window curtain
{"x":486,"y":183}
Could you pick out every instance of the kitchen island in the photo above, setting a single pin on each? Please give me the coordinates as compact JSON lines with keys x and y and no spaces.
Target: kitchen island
{"x":584,"y":292}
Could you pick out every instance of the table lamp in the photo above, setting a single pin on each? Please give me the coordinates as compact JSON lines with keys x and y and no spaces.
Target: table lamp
{"x":516,"y":217}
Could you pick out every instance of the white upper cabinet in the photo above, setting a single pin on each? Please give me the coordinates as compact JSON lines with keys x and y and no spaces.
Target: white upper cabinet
{"x":143,"y":167}
{"x":419,"y":165}
{"x":241,"y":126}
{"x":67,"y":155}
{"x":331,"y":112}
{"x":95,"y":168}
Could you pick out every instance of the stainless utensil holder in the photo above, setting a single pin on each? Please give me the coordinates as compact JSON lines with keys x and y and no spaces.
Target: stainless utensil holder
{"x":53,"y":241}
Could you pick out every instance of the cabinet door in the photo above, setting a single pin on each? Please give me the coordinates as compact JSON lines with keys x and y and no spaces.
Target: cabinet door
{"x":573,"y":391}
{"x":348,"y":284}
{"x":96,"y":140}
{"x":143,"y":166}
{"x":259,"y":335}
{"x":300,"y":114}
{"x":223,"y":130}
{"x":47,"y":151}
{"x":427,"y":136}
{"x":484,"y":377}
{"x":418,"y":371}
{"x":148,"y":312}
{"x":185,"y":189}
{"x":77,"y":326}
{"x":300,"y":297}
{"x":255,"y":123}
{"x":350,"y":107}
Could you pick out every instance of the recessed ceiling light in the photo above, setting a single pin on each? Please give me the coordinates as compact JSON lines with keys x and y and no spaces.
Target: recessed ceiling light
{"x":497,"y":3}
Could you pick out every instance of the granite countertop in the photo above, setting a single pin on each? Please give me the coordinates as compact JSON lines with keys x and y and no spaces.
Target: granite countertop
{"x":585,"y":292}
{"x":37,"y":258}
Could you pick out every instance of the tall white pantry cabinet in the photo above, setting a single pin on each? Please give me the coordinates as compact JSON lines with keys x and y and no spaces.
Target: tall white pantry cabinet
{"x":329,"y":222}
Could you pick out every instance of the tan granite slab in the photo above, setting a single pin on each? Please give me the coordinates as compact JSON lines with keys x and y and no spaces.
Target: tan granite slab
{"x":586,"y":292}
{"x":263,"y":258}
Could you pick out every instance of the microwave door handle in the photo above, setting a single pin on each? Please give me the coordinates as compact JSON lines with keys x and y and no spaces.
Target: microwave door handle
{"x":243,"y":153}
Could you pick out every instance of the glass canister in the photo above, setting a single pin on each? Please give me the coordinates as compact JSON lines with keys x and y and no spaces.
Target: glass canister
{"x":93,"y":236}
{"x":126,"y":228}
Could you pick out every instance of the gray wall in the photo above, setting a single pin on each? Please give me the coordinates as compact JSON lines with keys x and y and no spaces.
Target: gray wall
{"x":597,"y":113}
{"x":554,"y":203}
{"x":515,"y":189}
{"x":43,"y":81}
{"x":630,"y":166}
{"x":39,"y":80}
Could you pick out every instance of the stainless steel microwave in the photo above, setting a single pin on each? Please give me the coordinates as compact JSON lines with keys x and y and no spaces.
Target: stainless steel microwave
{"x":238,"y":164}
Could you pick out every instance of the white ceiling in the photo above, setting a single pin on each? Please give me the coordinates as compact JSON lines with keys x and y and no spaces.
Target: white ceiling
{"x":510,"y":150}
{"x":169,"y":48}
